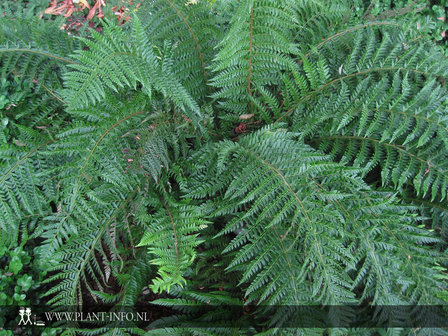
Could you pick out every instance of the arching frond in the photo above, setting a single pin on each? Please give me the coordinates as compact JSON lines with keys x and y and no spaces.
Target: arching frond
{"x":113,"y":62}
{"x":296,"y":210}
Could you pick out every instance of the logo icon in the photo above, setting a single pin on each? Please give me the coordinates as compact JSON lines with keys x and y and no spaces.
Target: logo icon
{"x":25,"y":317}
{"x":24,"y":320}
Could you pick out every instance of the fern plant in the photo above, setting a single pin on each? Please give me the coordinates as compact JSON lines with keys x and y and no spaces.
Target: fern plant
{"x":260,"y":154}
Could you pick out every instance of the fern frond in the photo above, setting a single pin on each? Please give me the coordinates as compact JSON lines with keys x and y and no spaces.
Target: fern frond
{"x":172,"y":237}
{"x":22,"y":195}
{"x":379,"y":104}
{"x":77,"y":263}
{"x":294,"y":204}
{"x":402,"y":129}
{"x":35,"y":50}
{"x":114,"y":62}
{"x":88,"y":168}
{"x":209,"y":313}
{"x":253,"y":51}
{"x":192,"y":32}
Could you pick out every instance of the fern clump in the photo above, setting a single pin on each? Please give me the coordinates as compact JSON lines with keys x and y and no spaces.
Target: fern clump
{"x":263,"y":155}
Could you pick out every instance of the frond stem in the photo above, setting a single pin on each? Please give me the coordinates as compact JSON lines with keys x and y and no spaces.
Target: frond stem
{"x":32,"y":51}
{"x":76,"y":187}
{"x":327,"y":85}
{"x":193,"y":35}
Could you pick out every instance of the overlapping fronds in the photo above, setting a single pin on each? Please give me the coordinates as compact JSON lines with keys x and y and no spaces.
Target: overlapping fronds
{"x":304,"y":221}
{"x":172,"y":237}
{"x":77,"y":264}
{"x":114,"y":60}
{"x":187,"y":34}
{"x":331,"y":190}
{"x":22,"y":197}
{"x":401,"y":129}
{"x":89,"y":171}
{"x":207,"y":313}
{"x":380,"y":104}
{"x":36,"y":50}
{"x":253,"y":51}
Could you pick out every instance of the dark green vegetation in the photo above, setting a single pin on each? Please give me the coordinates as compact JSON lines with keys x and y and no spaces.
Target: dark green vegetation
{"x":265,"y":152}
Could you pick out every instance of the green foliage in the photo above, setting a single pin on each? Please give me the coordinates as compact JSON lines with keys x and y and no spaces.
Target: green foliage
{"x":227,"y":153}
{"x":389,"y":117}
{"x":184,"y":35}
{"x":113,"y":62}
{"x":171,"y":235}
{"x":20,"y":277}
{"x":269,"y":170}
{"x":428,"y":16}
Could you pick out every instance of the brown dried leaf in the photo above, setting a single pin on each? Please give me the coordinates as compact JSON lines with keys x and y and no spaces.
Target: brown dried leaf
{"x":245,"y":116}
